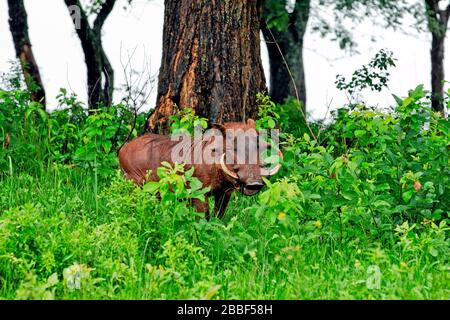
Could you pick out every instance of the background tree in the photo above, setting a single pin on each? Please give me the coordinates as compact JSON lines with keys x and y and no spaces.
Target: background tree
{"x":284,"y":33}
{"x":100,"y":74}
{"x":211,"y":61}
{"x":18,"y":23}
{"x":437,"y":22}
{"x":431,"y":16}
{"x":285,"y":24}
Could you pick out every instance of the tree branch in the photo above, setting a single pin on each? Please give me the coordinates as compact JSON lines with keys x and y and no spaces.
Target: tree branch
{"x":108,"y":73}
{"x":103,"y":14}
{"x":84,"y":29}
{"x":447,"y":14}
{"x":435,"y":17}
{"x":432,"y":5}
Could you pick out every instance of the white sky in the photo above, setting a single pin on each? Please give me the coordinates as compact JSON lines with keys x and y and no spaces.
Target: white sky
{"x":59,"y":55}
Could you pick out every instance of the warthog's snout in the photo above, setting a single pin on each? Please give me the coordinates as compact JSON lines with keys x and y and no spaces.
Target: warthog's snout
{"x":252,"y":188}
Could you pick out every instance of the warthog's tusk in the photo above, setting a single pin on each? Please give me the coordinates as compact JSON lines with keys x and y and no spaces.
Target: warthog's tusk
{"x":226,"y":170}
{"x":275,"y":169}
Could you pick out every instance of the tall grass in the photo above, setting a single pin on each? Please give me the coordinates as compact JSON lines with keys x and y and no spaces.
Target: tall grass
{"x":50,"y":223}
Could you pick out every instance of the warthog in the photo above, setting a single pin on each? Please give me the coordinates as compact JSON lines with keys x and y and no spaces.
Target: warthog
{"x":227,"y":158}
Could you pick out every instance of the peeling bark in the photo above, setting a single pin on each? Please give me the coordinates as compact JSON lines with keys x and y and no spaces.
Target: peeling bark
{"x":211,"y":61}
{"x":18,"y":22}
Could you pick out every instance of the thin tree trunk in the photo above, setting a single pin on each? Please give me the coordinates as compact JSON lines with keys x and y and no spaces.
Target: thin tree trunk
{"x":100,"y":74}
{"x":108,"y":73}
{"x":437,"y":73}
{"x":211,"y":61}
{"x":18,"y":22}
{"x":107,"y":69}
{"x":281,"y":83}
{"x":290,"y":43}
{"x":437,"y":25}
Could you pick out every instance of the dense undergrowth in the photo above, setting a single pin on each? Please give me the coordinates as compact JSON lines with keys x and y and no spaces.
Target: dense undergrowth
{"x":361,"y":213}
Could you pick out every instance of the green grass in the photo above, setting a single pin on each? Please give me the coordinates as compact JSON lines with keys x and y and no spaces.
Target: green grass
{"x":133,"y":247}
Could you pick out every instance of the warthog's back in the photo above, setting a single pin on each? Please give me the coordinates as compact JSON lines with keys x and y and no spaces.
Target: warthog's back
{"x":144,"y":153}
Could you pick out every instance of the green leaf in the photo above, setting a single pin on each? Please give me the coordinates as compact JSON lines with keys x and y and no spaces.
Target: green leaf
{"x":433,"y":252}
{"x":383,"y":187}
{"x":151,"y":187}
{"x":381,"y":204}
{"x":398,"y":100}
{"x":360,"y":133}
{"x":267,"y":182}
{"x":195,"y":184}
{"x":407,"y":195}
{"x":107,"y":146}
{"x":417,"y":93}
{"x":166,"y":165}
{"x":188,"y":174}
{"x":271,"y":123}
{"x":350,"y":195}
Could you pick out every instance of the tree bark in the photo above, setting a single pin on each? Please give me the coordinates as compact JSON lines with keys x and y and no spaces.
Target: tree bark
{"x":18,"y":23}
{"x":100,"y":74}
{"x":437,"y":25}
{"x":437,"y":73}
{"x":290,"y":43}
{"x":211,"y":61}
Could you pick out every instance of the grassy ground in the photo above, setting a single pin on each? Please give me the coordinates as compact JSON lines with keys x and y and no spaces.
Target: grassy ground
{"x":64,"y":235}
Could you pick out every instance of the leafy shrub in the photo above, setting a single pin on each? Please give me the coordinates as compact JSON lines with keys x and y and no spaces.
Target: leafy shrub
{"x":375,"y":169}
{"x":66,"y":135}
{"x":185,"y":122}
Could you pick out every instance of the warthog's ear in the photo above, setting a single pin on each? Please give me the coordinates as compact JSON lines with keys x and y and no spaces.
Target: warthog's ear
{"x":251,"y":123}
{"x":220,"y":127}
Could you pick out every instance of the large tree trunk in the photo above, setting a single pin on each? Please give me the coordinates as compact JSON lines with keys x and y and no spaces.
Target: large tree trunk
{"x":437,"y":72}
{"x":100,"y":74}
{"x":211,"y":61}
{"x":18,"y":23}
{"x":286,"y":47}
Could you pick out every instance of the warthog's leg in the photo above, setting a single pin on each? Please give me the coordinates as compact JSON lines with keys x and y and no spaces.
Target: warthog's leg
{"x":221,"y":200}
{"x":202,"y":206}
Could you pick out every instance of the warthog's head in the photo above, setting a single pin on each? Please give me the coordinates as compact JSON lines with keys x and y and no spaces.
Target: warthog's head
{"x":242,"y":156}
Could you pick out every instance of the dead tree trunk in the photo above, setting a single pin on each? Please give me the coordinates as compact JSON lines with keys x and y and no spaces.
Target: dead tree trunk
{"x":211,"y":61}
{"x":290,"y":43}
{"x":18,"y":23}
{"x":437,"y":25}
{"x":100,"y":74}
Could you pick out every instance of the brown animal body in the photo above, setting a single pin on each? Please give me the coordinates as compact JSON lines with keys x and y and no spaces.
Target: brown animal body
{"x":147,"y":152}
